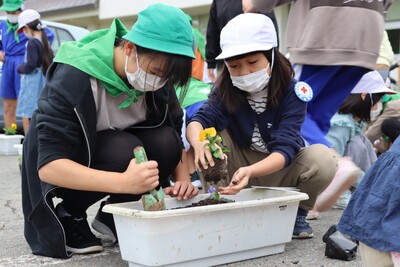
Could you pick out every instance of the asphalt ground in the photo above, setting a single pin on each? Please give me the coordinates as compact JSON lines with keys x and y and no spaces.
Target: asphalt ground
{"x":14,"y":251}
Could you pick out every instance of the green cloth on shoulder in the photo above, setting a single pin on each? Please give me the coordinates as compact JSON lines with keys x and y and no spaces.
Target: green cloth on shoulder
{"x":13,"y":28}
{"x":94,"y":55}
{"x":389,"y":97}
{"x":195,"y":92}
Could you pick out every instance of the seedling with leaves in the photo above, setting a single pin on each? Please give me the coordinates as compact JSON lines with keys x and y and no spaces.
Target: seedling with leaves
{"x":214,"y":142}
{"x":10,"y":130}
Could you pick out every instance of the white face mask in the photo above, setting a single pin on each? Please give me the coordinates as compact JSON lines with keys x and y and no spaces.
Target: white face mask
{"x":252,"y":83}
{"x":28,"y":34}
{"x":12,"y":18}
{"x":375,"y":113}
{"x":141,"y":80}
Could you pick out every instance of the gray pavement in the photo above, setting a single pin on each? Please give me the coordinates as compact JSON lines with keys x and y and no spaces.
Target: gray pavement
{"x":14,"y":251}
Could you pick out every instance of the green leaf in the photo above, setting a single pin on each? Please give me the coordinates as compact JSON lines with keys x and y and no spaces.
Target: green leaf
{"x":216,"y":195}
{"x":217,"y":154}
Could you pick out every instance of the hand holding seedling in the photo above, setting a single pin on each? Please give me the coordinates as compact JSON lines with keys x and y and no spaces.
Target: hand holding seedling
{"x":209,"y":148}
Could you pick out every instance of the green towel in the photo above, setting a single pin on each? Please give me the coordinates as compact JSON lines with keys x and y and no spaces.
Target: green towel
{"x":94,"y":55}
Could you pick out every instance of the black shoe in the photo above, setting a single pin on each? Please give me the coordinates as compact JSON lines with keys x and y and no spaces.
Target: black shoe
{"x":104,"y":223}
{"x":79,"y":237}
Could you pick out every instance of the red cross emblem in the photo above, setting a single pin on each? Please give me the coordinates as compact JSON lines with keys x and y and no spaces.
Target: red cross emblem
{"x":304,"y":90}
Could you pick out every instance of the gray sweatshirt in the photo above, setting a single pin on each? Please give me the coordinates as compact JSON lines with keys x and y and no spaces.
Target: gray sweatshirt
{"x":333,"y":32}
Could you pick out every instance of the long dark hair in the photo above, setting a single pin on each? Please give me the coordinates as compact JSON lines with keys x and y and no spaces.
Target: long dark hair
{"x":48,"y":55}
{"x":358,"y":107}
{"x":282,"y":72}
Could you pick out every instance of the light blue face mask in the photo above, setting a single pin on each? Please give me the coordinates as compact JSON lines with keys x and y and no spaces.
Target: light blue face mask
{"x":384,"y":74}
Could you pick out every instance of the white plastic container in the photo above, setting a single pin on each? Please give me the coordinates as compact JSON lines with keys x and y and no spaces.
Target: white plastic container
{"x":260,"y":222}
{"x":7,"y":143}
{"x":19,"y":149}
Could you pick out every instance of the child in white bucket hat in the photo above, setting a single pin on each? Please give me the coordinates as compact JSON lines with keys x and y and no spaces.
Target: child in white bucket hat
{"x":348,"y":139}
{"x":38,"y":57}
{"x":258,"y":108}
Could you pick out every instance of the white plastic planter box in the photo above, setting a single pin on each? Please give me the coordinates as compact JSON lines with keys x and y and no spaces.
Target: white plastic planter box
{"x":260,"y":222}
{"x":7,"y":143}
{"x":19,"y":149}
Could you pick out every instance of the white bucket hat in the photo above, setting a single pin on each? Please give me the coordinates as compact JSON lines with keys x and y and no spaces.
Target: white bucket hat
{"x":247,"y":33}
{"x":26,"y":17}
{"x":371,"y":83}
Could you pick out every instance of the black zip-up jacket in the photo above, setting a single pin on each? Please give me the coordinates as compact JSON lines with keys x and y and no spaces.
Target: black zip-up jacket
{"x":64,"y":126}
{"x":222,"y":11}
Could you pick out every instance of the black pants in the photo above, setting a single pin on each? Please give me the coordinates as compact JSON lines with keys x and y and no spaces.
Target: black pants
{"x":114,"y":151}
{"x":391,"y":128}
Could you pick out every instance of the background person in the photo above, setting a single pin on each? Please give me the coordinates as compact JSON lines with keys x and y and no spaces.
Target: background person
{"x":391,"y":103}
{"x":106,"y":94}
{"x":372,"y":215}
{"x":331,"y":64}
{"x":12,"y":51}
{"x":347,"y":137}
{"x":222,"y":11}
{"x":38,"y":57}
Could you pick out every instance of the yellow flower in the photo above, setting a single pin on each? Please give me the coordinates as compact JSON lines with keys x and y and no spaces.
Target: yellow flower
{"x":14,"y":126}
{"x":208,"y":131}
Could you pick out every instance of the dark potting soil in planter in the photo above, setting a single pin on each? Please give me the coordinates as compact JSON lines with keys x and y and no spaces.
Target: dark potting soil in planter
{"x":216,"y":173}
{"x":207,"y":202}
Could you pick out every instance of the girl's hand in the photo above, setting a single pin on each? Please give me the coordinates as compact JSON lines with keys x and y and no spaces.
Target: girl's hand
{"x":140,"y":178}
{"x":182,"y":190}
{"x":2,"y":56}
{"x":240,"y":180}
{"x":202,"y":155}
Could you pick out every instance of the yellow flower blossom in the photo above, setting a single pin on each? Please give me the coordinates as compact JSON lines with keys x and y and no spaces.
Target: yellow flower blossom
{"x":14,"y":126}
{"x":208,"y":131}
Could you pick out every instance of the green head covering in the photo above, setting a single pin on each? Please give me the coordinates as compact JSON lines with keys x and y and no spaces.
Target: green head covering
{"x":94,"y":54}
{"x":163,"y":28}
{"x":11,"y":5}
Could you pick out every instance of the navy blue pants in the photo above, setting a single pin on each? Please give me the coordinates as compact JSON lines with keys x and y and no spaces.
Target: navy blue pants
{"x":114,"y":151}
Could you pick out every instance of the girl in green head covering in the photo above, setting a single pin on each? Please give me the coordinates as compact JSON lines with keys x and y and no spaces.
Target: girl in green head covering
{"x":106,"y":94}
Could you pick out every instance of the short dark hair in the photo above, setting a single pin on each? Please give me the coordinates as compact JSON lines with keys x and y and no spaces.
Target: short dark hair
{"x":179,"y":68}
{"x":358,"y":107}
{"x":282,"y":72}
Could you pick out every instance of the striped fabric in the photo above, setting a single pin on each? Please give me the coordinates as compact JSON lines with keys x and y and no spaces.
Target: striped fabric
{"x":259,"y":104}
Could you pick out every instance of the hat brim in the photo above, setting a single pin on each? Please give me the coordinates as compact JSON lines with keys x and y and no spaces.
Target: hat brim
{"x":20,"y":28}
{"x":160,"y":45}
{"x":241,"y":50}
{"x":10,"y":7}
{"x":382,"y":89}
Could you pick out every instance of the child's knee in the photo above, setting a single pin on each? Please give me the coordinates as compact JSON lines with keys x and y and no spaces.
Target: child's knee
{"x":323,"y":163}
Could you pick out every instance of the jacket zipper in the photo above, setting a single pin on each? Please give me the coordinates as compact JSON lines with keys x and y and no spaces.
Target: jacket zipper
{"x":89,"y":162}
{"x":62,"y":228}
{"x":86,"y":137}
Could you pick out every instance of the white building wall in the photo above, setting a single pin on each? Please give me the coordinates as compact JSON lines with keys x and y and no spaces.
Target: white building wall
{"x":110,"y":8}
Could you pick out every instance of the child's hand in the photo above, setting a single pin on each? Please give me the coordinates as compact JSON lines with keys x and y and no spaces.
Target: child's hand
{"x":240,"y":180}
{"x":182,"y":190}
{"x":202,"y":155}
{"x":140,"y":178}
